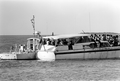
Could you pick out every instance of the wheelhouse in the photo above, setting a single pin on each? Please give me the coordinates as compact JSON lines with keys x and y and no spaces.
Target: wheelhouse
{"x":33,"y":44}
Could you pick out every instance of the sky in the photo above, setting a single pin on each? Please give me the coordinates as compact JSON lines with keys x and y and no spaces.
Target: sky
{"x":59,"y":16}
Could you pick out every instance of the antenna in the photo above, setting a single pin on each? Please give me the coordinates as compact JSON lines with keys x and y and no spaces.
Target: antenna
{"x":83,"y":31}
{"x":89,"y":22}
{"x":33,"y":24}
{"x":52,"y":33}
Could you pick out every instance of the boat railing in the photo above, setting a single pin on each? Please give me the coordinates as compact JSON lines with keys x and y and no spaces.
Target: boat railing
{"x":88,"y":46}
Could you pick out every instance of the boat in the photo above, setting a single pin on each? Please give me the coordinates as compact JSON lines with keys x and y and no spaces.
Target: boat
{"x":28,"y":54}
{"x":82,"y":48}
{"x":67,"y":46}
{"x":24,"y":52}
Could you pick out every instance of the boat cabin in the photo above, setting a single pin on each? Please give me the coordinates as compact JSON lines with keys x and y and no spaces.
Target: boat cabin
{"x":76,"y":42}
{"x":63,"y":41}
{"x":33,"y":44}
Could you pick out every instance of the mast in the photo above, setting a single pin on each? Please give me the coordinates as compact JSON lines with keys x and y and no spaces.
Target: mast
{"x":33,"y":24}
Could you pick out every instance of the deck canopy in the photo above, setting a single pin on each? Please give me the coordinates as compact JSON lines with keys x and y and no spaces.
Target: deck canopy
{"x":66,"y":36}
{"x":32,"y":38}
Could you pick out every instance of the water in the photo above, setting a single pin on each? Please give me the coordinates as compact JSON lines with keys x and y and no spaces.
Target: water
{"x":60,"y":70}
{"x":6,"y":41}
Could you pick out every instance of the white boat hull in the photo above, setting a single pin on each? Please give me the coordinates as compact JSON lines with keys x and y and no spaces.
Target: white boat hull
{"x":99,"y":53}
{"x":8,"y":56}
{"x":17,"y":56}
{"x":46,"y":56}
{"x":46,"y":53}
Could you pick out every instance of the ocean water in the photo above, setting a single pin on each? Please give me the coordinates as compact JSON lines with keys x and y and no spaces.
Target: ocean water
{"x":59,"y":70}
{"x":6,"y":41}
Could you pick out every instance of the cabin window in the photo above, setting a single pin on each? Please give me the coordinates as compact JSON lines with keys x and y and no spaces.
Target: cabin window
{"x":83,"y":39}
{"x":37,"y":41}
{"x":80,"y":40}
{"x":31,"y":41}
{"x":106,"y":44}
{"x":31,"y":46}
{"x":102,"y":44}
{"x":86,"y":39}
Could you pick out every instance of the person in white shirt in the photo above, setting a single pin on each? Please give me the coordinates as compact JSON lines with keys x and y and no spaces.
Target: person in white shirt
{"x":21,"y":48}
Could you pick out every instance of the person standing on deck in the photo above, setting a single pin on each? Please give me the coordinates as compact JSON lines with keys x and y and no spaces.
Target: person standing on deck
{"x":11,"y":49}
{"x":70,"y":45}
{"x":40,"y":37}
{"x":21,"y":49}
{"x":115,"y":41}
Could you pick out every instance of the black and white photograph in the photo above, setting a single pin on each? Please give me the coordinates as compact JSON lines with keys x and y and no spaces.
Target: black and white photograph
{"x":59,"y":40}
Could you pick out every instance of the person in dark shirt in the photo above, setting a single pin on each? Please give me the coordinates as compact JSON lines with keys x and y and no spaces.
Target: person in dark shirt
{"x":70,"y":45}
{"x":115,"y":41}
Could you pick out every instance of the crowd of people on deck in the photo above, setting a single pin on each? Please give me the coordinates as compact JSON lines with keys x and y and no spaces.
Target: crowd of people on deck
{"x":20,"y":48}
{"x":113,"y":40}
{"x":58,"y":42}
